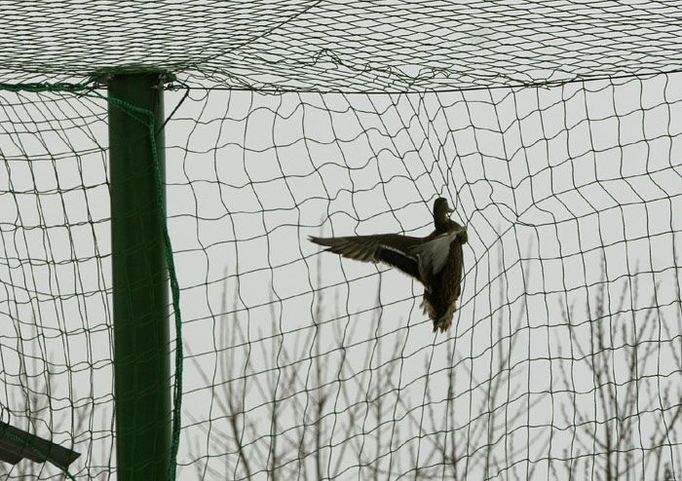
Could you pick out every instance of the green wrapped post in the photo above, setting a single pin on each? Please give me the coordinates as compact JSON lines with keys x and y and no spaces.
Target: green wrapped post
{"x":140,"y":279}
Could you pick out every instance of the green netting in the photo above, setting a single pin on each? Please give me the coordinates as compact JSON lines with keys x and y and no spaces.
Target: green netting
{"x":344,"y":46}
{"x":554,"y":128}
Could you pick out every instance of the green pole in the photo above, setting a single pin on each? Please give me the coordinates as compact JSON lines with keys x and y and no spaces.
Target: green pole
{"x":140,"y":279}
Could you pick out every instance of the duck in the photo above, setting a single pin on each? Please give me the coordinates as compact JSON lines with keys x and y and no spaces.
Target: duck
{"x":436,"y":261}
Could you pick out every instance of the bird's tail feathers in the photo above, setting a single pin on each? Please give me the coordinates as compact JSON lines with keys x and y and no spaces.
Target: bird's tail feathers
{"x":441,"y":321}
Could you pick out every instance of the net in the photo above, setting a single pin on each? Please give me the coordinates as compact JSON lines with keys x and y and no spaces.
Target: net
{"x":555,"y":131}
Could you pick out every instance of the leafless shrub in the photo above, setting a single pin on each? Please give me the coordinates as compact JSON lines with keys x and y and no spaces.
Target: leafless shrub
{"x":627,"y":434}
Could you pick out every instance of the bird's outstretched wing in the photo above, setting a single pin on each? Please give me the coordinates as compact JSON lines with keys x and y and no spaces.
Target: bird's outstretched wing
{"x":392,"y":249}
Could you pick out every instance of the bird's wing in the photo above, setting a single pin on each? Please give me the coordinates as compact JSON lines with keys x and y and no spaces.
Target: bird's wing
{"x":392,"y":249}
{"x":433,"y":254}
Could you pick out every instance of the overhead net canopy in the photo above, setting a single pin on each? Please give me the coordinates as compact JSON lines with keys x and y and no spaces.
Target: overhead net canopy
{"x":554,"y":129}
{"x":344,"y":46}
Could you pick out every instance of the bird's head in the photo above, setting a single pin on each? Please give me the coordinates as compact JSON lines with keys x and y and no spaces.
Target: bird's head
{"x":441,"y":211}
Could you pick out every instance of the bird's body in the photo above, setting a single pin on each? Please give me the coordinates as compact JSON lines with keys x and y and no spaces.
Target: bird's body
{"x":435,"y":260}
